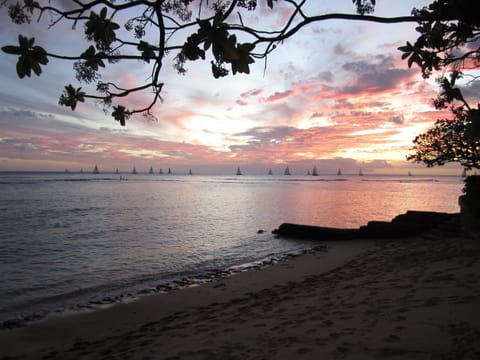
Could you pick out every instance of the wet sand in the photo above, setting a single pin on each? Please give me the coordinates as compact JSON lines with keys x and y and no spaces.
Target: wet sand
{"x":392,"y":299}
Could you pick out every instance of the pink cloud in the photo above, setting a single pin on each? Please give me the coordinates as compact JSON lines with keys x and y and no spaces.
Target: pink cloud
{"x":253,"y":92}
{"x":279,"y":96}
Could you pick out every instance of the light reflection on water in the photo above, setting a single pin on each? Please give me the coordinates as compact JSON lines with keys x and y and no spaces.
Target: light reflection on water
{"x":65,"y":239}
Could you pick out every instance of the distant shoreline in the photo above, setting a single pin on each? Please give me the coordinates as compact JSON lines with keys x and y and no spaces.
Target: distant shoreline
{"x":254,"y":174}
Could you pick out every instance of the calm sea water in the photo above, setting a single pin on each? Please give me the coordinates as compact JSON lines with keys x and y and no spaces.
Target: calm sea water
{"x":68,"y":240}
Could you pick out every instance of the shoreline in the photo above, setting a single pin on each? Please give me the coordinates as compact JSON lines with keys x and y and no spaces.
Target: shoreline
{"x":409,"y":224}
{"x":176,"y":284}
{"x":403,"y":298}
{"x":119,"y":317}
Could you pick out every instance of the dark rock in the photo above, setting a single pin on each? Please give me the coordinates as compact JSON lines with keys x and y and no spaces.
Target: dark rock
{"x":314,"y":232}
{"x":384,"y":229}
{"x":428,"y":219}
{"x":412,"y":223}
{"x":10,"y":324}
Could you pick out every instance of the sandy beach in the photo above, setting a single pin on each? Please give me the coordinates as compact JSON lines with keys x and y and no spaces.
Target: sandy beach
{"x":389,"y":299}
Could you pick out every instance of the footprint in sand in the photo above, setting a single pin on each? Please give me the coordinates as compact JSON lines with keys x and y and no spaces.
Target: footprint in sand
{"x":431,"y":302}
{"x":259,"y":325}
{"x":342,"y":349}
{"x":328,"y":322}
{"x":392,"y":338}
{"x":303,"y":351}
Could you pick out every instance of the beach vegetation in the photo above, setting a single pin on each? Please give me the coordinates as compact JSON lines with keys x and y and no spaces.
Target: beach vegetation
{"x":451,"y":47}
{"x":472,"y":193}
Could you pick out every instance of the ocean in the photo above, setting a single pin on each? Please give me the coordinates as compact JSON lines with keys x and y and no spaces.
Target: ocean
{"x":73,"y":242}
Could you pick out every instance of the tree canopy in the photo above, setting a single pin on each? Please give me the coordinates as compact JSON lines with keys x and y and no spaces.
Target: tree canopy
{"x":452,"y":47}
{"x":451,"y":140}
{"x":195,"y":30}
{"x":152,"y":30}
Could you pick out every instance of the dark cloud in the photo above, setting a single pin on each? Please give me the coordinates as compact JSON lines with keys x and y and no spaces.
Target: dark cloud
{"x":6,"y":113}
{"x":397,"y":120}
{"x":316,"y":115}
{"x":326,"y":31}
{"x":375,"y":76}
{"x":262,"y":138}
{"x":281,"y":111}
{"x":269,"y":134}
{"x":21,"y":144}
{"x":178,"y":154}
{"x":279,"y":96}
{"x":66,"y":5}
{"x":471,"y":91}
{"x":473,"y":45}
{"x":374,"y":104}
{"x":246,"y":95}
{"x":18,"y":120}
{"x":241,"y":102}
{"x":344,"y":103}
{"x":326,"y":76}
{"x":339,"y":50}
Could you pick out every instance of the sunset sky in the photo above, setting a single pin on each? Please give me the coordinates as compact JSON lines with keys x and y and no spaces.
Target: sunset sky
{"x":337,"y":95}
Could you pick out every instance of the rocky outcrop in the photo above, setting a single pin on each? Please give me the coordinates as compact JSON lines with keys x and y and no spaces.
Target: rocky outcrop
{"x":297,"y":231}
{"x":412,"y":223}
{"x":470,"y":220}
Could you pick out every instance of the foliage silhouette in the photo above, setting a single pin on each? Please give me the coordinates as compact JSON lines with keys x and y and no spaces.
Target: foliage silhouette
{"x":451,"y":46}
{"x":170,"y":24}
{"x":472,"y":193}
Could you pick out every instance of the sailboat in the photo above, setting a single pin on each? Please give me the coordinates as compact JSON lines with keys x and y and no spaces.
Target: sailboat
{"x":270,"y":171}
{"x":169,"y":171}
{"x":308,"y":172}
{"x":134,"y":171}
{"x":116,"y":171}
{"x":409,"y":173}
{"x":66,"y":171}
{"x":151,"y":170}
{"x":190,"y":172}
{"x":287,"y":171}
{"x":95,"y":169}
{"x":314,"y":171}
{"x":339,"y":172}
{"x":238,"y":171}
{"x":464,"y":173}
{"x":360,"y":173}
{"x":81,"y":170}
{"x":160,"y":171}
